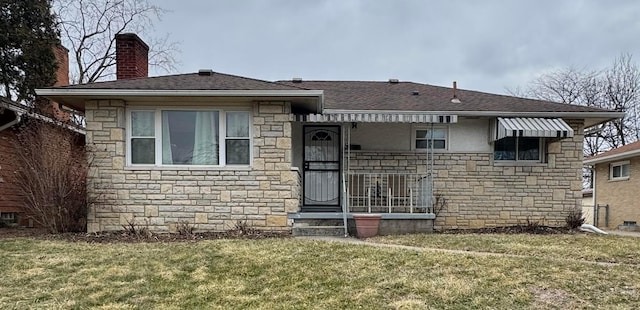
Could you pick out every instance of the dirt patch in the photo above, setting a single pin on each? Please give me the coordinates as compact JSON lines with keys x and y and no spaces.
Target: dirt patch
{"x":142,"y":236}
{"x":551,"y":298}
{"x":518,"y":229}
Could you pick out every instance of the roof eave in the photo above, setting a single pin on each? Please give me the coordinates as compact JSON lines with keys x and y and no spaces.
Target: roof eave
{"x":604,"y":114}
{"x":75,"y":97}
{"x":614,"y":157}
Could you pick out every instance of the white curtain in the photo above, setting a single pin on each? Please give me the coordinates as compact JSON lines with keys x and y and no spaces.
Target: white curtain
{"x":167,"y":155}
{"x":205,"y":145}
{"x":238,"y":124}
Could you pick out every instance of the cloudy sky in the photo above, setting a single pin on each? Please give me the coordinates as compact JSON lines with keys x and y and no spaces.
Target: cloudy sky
{"x":488,"y":45}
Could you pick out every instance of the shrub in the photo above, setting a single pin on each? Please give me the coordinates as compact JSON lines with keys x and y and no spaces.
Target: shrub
{"x":52,"y":175}
{"x":575,"y":219}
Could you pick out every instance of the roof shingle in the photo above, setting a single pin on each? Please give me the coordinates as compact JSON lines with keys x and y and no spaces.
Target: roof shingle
{"x":190,"y":81}
{"x":635,"y":146}
{"x":359,"y":95}
{"x":350,"y":95}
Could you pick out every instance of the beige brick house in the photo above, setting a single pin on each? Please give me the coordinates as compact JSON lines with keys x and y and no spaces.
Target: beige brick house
{"x":211,"y":149}
{"x":615,"y":186}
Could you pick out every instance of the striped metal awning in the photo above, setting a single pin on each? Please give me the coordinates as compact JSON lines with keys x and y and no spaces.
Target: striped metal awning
{"x":376,"y":118}
{"x":531,"y":127}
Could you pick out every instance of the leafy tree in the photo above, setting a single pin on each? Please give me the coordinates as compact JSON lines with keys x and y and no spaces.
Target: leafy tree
{"x":89,"y":27}
{"x":27,"y":34}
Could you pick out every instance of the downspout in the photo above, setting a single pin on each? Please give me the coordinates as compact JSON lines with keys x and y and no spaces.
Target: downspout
{"x":593,"y":194}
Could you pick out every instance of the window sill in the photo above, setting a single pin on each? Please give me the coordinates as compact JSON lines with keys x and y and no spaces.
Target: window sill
{"x":518,"y":164}
{"x":619,"y":179}
{"x":189,"y":168}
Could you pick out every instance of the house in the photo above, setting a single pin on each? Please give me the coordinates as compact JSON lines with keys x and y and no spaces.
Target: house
{"x":13,"y":114}
{"x":615,"y":179}
{"x":211,"y":149}
{"x":10,"y":203}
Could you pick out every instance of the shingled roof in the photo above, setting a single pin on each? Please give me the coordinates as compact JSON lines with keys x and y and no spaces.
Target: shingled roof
{"x":334,"y":95}
{"x":190,"y":81}
{"x":625,"y":151}
{"x":409,"y":96}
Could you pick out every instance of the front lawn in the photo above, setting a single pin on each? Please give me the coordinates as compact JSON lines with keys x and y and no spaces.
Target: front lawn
{"x":299,"y":274}
{"x":589,"y":247}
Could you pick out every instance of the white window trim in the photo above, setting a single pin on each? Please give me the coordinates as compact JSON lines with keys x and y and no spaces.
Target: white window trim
{"x":620,"y":164}
{"x":541,"y":160}
{"x":414,"y":137}
{"x":222,"y":131}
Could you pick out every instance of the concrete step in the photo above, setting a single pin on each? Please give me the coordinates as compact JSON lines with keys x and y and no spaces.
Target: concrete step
{"x":300,"y":229}
{"x":318,"y":222}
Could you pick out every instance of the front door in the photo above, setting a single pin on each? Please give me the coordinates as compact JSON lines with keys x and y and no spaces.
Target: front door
{"x":321,"y":169}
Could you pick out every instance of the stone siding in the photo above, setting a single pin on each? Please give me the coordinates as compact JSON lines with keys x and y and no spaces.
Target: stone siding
{"x":482,"y":193}
{"x":206,"y":199}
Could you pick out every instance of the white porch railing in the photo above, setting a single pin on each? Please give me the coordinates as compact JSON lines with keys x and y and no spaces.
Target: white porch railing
{"x":389,"y":193}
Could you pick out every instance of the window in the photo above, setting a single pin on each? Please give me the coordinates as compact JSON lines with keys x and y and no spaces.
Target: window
{"x":518,"y":149}
{"x":8,"y":216}
{"x":619,"y":170}
{"x":437,"y":136}
{"x":189,"y":137}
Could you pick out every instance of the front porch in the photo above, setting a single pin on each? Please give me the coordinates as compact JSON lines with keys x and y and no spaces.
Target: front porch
{"x":340,"y":178}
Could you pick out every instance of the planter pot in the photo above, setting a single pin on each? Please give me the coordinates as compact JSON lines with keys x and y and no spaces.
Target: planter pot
{"x":367,"y":225}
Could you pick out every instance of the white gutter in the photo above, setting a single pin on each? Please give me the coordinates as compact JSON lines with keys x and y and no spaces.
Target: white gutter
{"x":176,"y":93}
{"x":611,"y":157}
{"x":490,"y":113}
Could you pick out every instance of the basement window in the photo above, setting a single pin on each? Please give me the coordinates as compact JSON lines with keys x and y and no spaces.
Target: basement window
{"x":8,"y":217}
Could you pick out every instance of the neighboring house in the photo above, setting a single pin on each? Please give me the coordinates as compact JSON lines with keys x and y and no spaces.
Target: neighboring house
{"x":616,"y":176}
{"x":11,"y":115}
{"x":211,"y":149}
{"x":10,"y":202}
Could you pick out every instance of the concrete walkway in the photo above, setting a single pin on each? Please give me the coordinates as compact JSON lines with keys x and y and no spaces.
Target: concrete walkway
{"x":624,"y":233}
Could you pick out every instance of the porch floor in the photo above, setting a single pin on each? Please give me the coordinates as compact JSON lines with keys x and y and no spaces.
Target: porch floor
{"x":338,"y":215}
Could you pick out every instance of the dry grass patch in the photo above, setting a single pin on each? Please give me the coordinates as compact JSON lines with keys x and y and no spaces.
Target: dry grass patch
{"x":294,"y":274}
{"x":588,"y":247}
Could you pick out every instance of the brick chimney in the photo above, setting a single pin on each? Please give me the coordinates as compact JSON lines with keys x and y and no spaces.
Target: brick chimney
{"x":61,"y":55}
{"x":132,"y":57}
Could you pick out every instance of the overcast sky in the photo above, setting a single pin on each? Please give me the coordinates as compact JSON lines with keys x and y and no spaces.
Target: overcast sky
{"x":485,"y":45}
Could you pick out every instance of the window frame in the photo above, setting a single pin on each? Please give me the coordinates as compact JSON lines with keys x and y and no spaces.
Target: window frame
{"x":541,"y":148}
{"x":414,"y":138}
{"x":222,"y":136}
{"x":7,"y":216}
{"x":620,"y":164}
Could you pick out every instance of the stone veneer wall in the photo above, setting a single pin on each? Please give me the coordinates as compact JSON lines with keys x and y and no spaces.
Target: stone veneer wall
{"x":480,"y":193}
{"x":207,"y":199}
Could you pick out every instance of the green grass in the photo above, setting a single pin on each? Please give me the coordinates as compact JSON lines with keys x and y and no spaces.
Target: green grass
{"x":301,"y":274}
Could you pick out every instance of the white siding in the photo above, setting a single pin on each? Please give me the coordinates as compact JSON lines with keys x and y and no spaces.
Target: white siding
{"x":468,"y":135}
{"x":382,"y":136}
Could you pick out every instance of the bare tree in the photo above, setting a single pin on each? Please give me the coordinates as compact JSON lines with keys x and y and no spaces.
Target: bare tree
{"x":614,"y":88}
{"x":621,"y":92}
{"x":88,"y":29}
